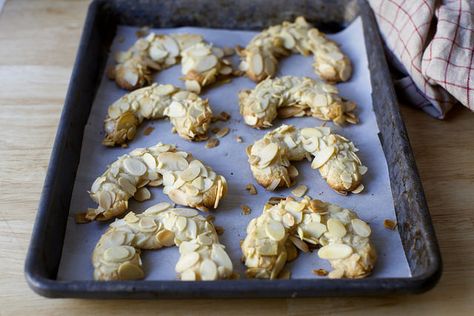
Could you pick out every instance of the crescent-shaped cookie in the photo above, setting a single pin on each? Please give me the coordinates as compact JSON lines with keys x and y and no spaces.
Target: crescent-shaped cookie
{"x":117,"y":254}
{"x":202,"y":63}
{"x":189,"y":114}
{"x":186,"y":181}
{"x":334,"y":156}
{"x":260,"y":57}
{"x":274,"y":237}
{"x":291,"y":96}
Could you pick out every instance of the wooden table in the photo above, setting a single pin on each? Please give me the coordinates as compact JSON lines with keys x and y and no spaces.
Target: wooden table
{"x":38,"y":42}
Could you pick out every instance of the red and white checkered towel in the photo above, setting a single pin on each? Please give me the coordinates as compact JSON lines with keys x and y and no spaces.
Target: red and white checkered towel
{"x":432,"y":43}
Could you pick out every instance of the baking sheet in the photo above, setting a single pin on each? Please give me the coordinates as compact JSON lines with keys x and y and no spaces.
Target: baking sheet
{"x":229,"y":159}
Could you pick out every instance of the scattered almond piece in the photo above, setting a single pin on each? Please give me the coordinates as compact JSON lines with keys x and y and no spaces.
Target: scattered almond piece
{"x":211,"y":143}
{"x":210,"y":218}
{"x":142,"y":31}
{"x":215,"y":130}
{"x":320,"y":272}
{"x":251,"y":189}
{"x":238,"y":139}
{"x":274,"y":200}
{"x":219,"y":230}
{"x":222,"y":132}
{"x":245,"y":210}
{"x":81,"y":218}
{"x":300,"y":190}
{"x":224,"y":116}
{"x":390,"y":224}
{"x":148,"y":130}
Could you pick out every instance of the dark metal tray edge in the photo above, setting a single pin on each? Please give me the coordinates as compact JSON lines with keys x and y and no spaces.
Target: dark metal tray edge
{"x":40,"y":272}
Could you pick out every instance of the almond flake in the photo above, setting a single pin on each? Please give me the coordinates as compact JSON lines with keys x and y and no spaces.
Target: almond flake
{"x":300,"y":190}
{"x":320,"y":272}
{"x":389,"y":224}
{"x":222,"y":132}
{"x":245,"y":209}
{"x":335,"y":251}
{"x":211,"y":143}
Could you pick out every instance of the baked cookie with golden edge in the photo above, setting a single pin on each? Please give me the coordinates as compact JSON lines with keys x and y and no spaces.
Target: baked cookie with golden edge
{"x":291,"y":96}
{"x":189,"y":114}
{"x":273,"y":238}
{"x":260,"y":57}
{"x":334,"y":156}
{"x":202,"y":63}
{"x":202,"y":258}
{"x":186,"y":181}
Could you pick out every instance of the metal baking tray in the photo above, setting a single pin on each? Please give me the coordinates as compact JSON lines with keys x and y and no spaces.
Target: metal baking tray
{"x":414,"y":222}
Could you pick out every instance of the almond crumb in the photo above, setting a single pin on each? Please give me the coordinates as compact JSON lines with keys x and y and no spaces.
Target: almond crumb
{"x":239,"y":139}
{"x":219,"y":230}
{"x":251,"y":189}
{"x":148,"y":130}
{"x":320,"y":272}
{"x":390,"y":224}
{"x":81,"y":218}
{"x":211,"y":143}
{"x":300,"y":190}
{"x":224,"y":131}
{"x":245,"y":210}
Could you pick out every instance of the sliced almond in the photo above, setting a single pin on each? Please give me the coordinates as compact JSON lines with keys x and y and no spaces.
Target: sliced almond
{"x":336,"y":228}
{"x":105,"y":200}
{"x":130,"y":271}
{"x":190,"y":173}
{"x":275,"y":230}
{"x":300,"y":190}
{"x":142,"y":194}
{"x":188,"y":275}
{"x":116,"y":254}
{"x":208,"y":270}
{"x":165,"y":238}
{"x":206,"y":63}
{"x":360,"y":227}
{"x":175,"y":109}
{"x":256,"y":64}
{"x":211,"y":143}
{"x":322,"y":157}
{"x":222,"y":132}
{"x":335,"y":251}
{"x":193,"y":85}
{"x":186,"y":261}
{"x":389,"y":224}
{"x":315,"y":229}
{"x":268,"y":153}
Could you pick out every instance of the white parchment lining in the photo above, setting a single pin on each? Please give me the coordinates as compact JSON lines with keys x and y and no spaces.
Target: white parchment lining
{"x":230,"y":160}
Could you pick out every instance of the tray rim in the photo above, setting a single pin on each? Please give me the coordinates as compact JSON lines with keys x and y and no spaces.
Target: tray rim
{"x":53,"y":288}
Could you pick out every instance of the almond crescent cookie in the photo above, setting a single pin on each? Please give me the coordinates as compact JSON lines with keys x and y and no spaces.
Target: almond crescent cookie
{"x":117,"y":254}
{"x":202,"y":63}
{"x":291,"y":96}
{"x":260,"y":57}
{"x":189,"y":114}
{"x":186,"y":181}
{"x":343,"y":237}
{"x":334,"y":156}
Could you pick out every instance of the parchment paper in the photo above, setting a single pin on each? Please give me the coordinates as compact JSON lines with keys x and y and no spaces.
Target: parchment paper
{"x":229,"y":159}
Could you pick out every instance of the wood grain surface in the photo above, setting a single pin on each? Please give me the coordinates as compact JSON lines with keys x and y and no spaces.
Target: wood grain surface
{"x":38,"y":42}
